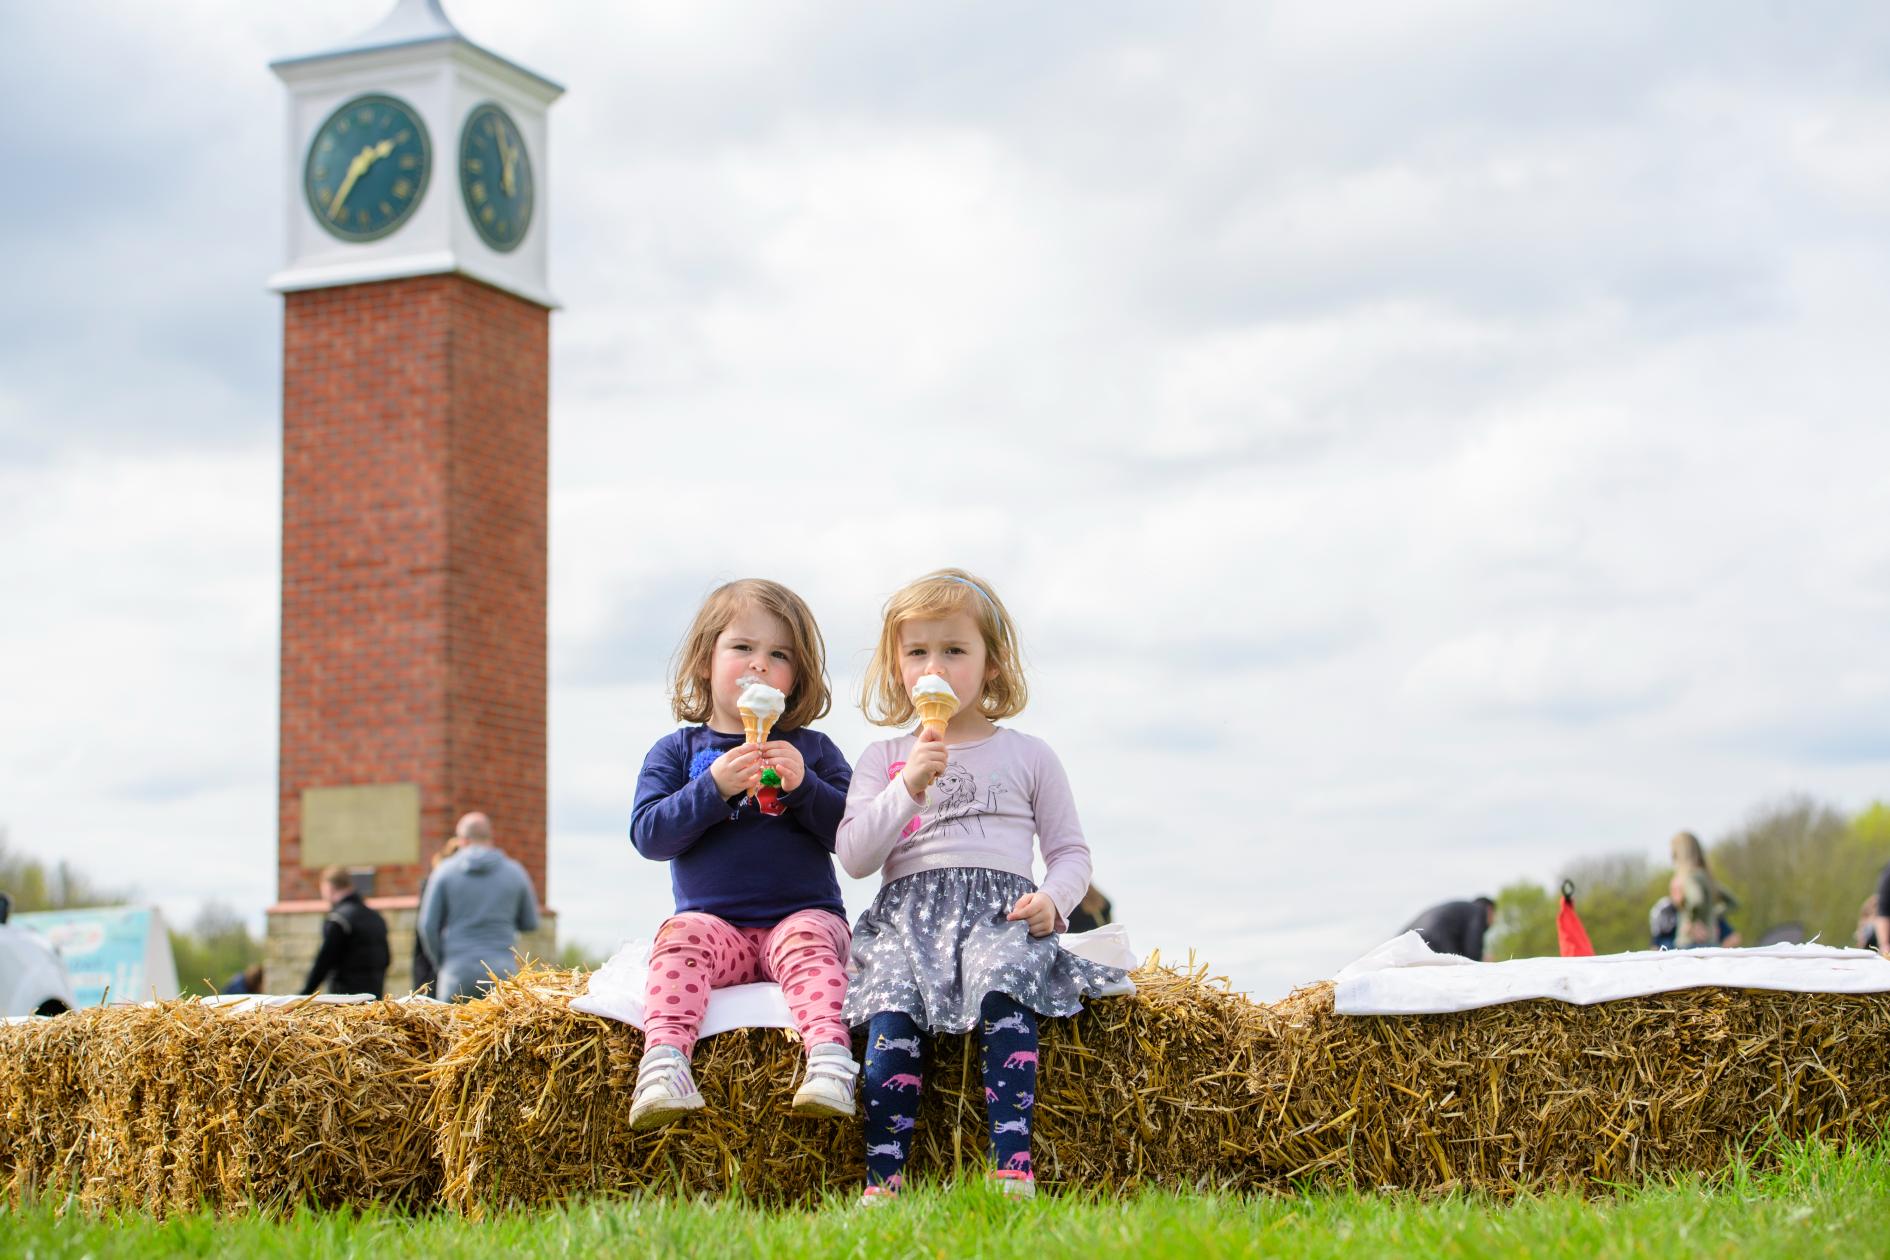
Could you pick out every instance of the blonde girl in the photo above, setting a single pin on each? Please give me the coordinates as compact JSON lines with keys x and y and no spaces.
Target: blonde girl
{"x":959,"y":936}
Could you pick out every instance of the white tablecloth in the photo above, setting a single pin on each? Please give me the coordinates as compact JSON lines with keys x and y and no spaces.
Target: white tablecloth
{"x":1403,"y":976}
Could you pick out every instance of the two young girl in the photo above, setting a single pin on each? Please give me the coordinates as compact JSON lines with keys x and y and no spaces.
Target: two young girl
{"x":959,"y":936}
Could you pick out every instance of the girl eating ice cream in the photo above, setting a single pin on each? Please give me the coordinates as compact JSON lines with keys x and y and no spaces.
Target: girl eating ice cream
{"x":959,"y":937}
{"x":756,"y":897}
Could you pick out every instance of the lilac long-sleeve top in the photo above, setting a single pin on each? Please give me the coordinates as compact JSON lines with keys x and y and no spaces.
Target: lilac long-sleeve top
{"x":997,"y":794}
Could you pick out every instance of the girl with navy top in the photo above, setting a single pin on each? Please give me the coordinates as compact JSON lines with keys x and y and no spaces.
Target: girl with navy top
{"x":756,"y":896}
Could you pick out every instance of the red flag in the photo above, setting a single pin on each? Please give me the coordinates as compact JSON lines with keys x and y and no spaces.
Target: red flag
{"x":1568,"y":927}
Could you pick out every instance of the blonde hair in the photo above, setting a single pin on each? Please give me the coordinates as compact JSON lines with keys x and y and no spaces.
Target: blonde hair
{"x":1689,"y":862}
{"x":811,"y":697}
{"x":883,"y":696}
{"x":1686,"y":851}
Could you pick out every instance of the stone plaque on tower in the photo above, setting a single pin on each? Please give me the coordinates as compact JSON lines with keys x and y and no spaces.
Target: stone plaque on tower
{"x":415,"y":472}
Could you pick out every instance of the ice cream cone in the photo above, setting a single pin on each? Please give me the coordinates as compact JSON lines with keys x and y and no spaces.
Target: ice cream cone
{"x":935,"y":711}
{"x":760,"y":706}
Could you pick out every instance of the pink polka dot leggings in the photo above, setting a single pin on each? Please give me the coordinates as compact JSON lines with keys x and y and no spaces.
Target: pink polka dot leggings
{"x":804,"y":953}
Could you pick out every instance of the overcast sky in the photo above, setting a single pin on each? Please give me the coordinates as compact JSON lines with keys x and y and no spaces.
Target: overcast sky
{"x":1421,"y":444}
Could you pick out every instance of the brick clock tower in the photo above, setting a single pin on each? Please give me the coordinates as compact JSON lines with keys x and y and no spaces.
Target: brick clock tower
{"x":414,"y":470}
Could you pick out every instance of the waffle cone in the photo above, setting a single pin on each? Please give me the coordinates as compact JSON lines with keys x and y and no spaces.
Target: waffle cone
{"x":936,"y":711}
{"x":755,"y":727}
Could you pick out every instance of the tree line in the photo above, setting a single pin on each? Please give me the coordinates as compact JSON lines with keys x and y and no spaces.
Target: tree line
{"x":1793,"y":862}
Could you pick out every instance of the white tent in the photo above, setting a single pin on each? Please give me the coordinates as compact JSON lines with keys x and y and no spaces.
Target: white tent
{"x":123,"y":952}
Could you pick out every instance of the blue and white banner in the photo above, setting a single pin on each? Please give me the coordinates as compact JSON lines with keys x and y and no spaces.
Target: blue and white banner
{"x":120,"y":951}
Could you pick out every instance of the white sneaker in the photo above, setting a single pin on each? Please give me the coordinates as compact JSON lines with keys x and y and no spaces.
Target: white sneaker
{"x":666,"y":1092}
{"x":827,"y":1088}
{"x":1012,"y":1184}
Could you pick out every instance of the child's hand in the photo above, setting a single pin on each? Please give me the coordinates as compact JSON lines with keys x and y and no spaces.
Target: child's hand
{"x":1037,"y":911}
{"x":737,"y":770}
{"x":924,"y":764}
{"x":787,"y":760}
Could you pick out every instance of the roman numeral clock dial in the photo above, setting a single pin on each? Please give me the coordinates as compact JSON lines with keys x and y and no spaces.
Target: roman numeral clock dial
{"x":367,"y":168}
{"x":495,"y":177}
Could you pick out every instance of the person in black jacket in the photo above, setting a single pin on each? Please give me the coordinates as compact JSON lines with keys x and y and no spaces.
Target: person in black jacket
{"x":1456,"y":927}
{"x":353,"y":956}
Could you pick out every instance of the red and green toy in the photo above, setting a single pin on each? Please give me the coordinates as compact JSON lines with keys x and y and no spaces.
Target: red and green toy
{"x":769,"y":797}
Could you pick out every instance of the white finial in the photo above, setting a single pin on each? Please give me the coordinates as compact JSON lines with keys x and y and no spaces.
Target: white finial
{"x":410,"y":22}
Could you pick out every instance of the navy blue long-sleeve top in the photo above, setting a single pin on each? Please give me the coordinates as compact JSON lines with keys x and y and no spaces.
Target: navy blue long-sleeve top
{"x":726,"y":857}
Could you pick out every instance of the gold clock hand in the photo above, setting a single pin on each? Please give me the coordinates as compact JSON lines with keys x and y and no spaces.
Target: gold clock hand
{"x":355,"y":170}
{"x":508,"y":159}
{"x":367,"y":157}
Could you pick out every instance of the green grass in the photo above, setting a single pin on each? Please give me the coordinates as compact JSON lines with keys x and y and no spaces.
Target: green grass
{"x":1821,"y":1201}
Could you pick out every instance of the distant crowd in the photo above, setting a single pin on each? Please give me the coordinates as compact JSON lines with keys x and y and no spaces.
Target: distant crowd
{"x":1694,"y":914}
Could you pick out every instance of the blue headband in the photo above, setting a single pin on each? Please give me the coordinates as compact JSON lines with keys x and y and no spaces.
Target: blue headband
{"x":974,"y":586}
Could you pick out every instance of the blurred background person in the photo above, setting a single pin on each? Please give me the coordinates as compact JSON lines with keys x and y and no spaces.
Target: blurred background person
{"x":426,"y":976}
{"x":1456,"y":927}
{"x":248,"y":980}
{"x":1869,"y":935}
{"x":1092,"y":911}
{"x":1699,"y":901}
{"x":477,"y":903}
{"x":353,"y":957}
{"x":1881,"y":915}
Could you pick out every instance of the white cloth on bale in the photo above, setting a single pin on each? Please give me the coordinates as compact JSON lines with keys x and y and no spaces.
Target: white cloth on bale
{"x":1404,"y":977}
{"x":616,"y":988}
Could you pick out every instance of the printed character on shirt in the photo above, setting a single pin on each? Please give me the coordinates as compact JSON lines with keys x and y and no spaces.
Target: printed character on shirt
{"x":756,"y":896}
{"x":959,"y":937}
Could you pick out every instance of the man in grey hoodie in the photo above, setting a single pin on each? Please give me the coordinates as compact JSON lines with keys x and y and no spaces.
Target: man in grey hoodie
{"x":476,"y":904}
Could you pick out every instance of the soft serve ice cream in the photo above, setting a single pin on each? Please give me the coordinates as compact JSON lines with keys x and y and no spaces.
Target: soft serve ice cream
{"x":761,"y":706}
{"x":935,"y":702}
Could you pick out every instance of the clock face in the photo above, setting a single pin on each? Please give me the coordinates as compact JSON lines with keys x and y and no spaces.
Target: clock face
{"x":495,"y":177}
{"x":367,"y":168}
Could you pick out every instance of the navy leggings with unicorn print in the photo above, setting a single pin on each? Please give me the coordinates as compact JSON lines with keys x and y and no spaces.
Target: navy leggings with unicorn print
{"x":895,"y":1073}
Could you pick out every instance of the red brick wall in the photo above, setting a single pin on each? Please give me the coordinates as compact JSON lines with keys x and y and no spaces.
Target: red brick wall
{"x":414,"y":491}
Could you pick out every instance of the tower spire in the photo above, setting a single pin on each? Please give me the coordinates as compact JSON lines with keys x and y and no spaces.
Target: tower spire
{"x":410,"y":22}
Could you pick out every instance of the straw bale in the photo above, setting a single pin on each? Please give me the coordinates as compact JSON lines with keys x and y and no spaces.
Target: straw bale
{"x":532,"y":1101}
{"x":179,"y":1106}
{"x":42,"y":1089}
{"x":1540,"y":1094}
{"x":519,"y":1100}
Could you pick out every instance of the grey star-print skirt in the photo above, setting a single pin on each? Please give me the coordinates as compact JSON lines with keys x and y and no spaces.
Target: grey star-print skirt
{"x":934,"y":943}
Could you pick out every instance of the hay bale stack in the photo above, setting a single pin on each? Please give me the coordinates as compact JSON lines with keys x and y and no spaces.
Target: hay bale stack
{"x":1540,"y":1094}
{"x":42,"y":1090}
{"x":532,"y":1101}
{"x":179,"y":1106}
{"x":517,"y":1100}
